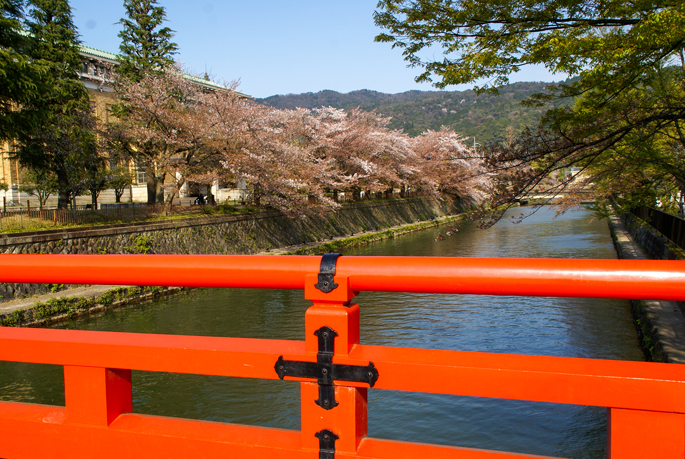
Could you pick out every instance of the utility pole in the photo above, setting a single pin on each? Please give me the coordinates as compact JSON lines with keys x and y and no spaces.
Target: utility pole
{"x":474,"y":145}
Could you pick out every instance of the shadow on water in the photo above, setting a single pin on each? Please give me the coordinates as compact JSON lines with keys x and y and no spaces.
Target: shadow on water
{"x":542,"y":326}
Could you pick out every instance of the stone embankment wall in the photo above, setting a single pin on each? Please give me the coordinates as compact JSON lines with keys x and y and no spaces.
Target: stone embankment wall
{"x":661,"y":324}
{"x":217,"y":234}
{"x":655,"y":245}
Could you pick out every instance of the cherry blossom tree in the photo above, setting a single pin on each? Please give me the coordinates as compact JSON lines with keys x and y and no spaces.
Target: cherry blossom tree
{"x":366,"y":155}
{"x":161,"y":126}
{"x":291,"y":160}
{"x":268,"y":148}
{"x":449,"y":166}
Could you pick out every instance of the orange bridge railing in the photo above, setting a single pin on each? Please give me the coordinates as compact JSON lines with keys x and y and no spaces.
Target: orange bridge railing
{"x":645,"y":401}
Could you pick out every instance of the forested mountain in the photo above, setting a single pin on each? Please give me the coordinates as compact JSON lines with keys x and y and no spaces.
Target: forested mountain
{"x":485,"y":117}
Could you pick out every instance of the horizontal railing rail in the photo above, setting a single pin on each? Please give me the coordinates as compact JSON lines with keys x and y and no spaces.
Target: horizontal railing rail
{"x":334,"y":368}
{"x":622,"y":384}
{"x":586,"y":278}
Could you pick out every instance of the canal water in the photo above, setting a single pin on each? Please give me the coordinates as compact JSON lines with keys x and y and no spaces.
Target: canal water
{"x":541,"y":326}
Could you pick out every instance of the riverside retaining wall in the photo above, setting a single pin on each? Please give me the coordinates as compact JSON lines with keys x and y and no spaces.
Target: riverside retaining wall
{"x":217,"y":234}
{"x":661,"y":324}
{"x":655,"y":245}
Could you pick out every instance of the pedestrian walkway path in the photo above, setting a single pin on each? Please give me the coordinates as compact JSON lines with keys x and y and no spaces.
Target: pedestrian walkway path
{"x":92,"y":291}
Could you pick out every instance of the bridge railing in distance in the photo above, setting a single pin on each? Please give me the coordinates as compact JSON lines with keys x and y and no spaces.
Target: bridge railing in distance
{"x":645,"y":401}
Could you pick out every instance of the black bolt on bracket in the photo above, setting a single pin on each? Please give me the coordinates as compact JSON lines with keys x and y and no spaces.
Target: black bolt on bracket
{"x":326,"y":272}
{"x":325,"y":371}
{"x":326,"y":444}
{"x":324,"y":362}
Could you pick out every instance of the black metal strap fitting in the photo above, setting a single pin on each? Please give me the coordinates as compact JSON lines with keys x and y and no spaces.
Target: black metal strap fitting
{"x":326,"y":272}
{"x":325,"y":371}
{"x":326,"y":444}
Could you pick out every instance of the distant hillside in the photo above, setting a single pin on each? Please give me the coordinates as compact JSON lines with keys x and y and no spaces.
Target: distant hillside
{"x":486,"y":116}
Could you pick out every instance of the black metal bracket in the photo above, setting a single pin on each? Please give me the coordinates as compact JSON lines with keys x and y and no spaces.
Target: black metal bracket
{"x":325,"y":371}
{"x":326,"y":444}
{"x":326,"y":272}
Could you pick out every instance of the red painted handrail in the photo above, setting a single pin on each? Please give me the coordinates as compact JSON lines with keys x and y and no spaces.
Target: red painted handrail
{"x":648,"y":398}
{"x":629,"y":279}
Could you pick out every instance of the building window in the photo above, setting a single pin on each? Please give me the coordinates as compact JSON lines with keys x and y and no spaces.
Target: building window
{"x":140,"y":174}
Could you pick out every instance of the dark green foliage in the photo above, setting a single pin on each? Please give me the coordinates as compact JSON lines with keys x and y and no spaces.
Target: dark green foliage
{"x":39,"y":182}
{"x":485,"y":117}
{"x":11,"y":12}
{"x":64,"y":142}
{"x":626,"y":127}
{"x":608,"y":43}
{"x":54,"y":40}
{"x":143,"y":245}
{"x":144,"y":45}
{"x":66,"y":145}
{"x":120,"y":178}
{"x":20,"y":77}
{"x":96,"y":178}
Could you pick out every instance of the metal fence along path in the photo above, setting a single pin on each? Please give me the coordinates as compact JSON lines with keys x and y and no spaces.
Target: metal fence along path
{"x":32,"y":218}
{"x":669,"y":225}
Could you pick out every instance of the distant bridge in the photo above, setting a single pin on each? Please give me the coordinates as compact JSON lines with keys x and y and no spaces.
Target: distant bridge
{"x":549,"y":197}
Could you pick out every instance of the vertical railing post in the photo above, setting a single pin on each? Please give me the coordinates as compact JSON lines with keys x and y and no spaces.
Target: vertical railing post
{"x":96,"y":396}
{"x":347,"y":420}
{"x":636,"y":434}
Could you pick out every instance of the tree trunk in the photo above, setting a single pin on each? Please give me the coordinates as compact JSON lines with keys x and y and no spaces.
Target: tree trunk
{"x":94,"y":200}
{"x":151,"y":185}
{"x":170,"y":199}
{"x":159,"y":191}
{"x":170,"y":202}
{"x":63,"y":193}
{"x":256,"y":198}
{"x":210,"y":197}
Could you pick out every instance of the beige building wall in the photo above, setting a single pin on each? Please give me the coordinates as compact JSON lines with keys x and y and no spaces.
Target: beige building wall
{"x":10,"y":170}
{"x":95,"y":74}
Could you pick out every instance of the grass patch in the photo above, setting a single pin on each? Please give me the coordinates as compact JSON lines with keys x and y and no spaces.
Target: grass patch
{"x":354,"y":241}
{"x":68,"y":307}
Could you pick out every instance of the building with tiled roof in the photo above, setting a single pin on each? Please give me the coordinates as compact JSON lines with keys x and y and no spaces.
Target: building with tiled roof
{"x":96,"y":76}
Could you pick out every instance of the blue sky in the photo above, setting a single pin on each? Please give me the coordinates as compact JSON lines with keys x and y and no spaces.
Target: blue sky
{"x":274,"y":47}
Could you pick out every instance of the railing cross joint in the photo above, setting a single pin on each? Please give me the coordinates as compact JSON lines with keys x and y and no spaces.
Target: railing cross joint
{"x":325,"y":371}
